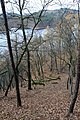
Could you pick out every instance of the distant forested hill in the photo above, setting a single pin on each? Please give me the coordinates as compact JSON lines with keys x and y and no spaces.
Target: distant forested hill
{"x":49,"y":18}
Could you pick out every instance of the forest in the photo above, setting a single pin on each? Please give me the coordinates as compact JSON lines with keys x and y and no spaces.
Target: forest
{"x":39,"y":61}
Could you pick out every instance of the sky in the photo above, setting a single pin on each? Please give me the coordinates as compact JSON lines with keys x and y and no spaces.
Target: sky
{"x":36,"y":5}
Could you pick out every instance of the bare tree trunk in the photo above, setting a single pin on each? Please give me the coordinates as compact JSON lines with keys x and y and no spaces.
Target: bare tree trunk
{"x":70,"y":75}
{"x":27,"y":50}
{"x":52,"y":61}
{"x":11,"y":55}
{"x":60,"y":55}
{"x":71,"y":108}
{"x":41,"y":66}
{"x":9,"y":70}
{"x":76,"y":87}
{"x":9,"y":86}
{"x":29,"y":71}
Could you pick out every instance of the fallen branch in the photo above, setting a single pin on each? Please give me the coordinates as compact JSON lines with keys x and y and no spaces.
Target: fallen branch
{"x":37,"y":82}
{"x":50,"y":79}
{"x":41,"y":82}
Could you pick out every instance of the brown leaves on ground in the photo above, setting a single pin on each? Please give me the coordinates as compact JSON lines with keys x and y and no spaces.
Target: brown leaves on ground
{"x":49,"y":102}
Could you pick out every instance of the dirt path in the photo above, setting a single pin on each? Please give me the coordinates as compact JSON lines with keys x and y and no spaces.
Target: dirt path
{"x":49,"y":102}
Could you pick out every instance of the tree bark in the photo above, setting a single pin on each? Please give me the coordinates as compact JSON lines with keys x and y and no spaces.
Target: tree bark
{"x":76,"y":87}
{"x":71,"y":108}
{"x":29,"y":71}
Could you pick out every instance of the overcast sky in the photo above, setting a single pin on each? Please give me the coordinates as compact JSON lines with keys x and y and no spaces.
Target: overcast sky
{"x":36,"y":5}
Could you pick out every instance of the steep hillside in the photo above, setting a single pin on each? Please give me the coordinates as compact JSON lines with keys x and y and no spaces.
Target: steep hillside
{"x":49,"y":102}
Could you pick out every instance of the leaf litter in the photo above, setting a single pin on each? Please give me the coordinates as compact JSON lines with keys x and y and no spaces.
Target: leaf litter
{"x":49,"y":102}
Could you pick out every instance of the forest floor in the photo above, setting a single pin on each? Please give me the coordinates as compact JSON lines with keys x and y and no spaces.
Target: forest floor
{"x":49,"y":102}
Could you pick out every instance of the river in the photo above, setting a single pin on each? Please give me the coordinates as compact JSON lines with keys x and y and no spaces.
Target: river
{"x":14,"y":32}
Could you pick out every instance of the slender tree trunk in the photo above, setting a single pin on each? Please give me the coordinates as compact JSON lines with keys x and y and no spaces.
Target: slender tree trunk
{"x":16,"y":56}
{"x":11,"y":55}
{"x":27,"y":50}
{"x":9,"y":70}
{"x":29,"y":71}
{"x":56,"y":65}
{"x":70,"y":75}
{"x":9,"y":86}
{"x":38,"y":64}
{"x":52,"y":62}
{"x":71,"y":108}
{"x":60,"y":55}
{"x":76,"y":87}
